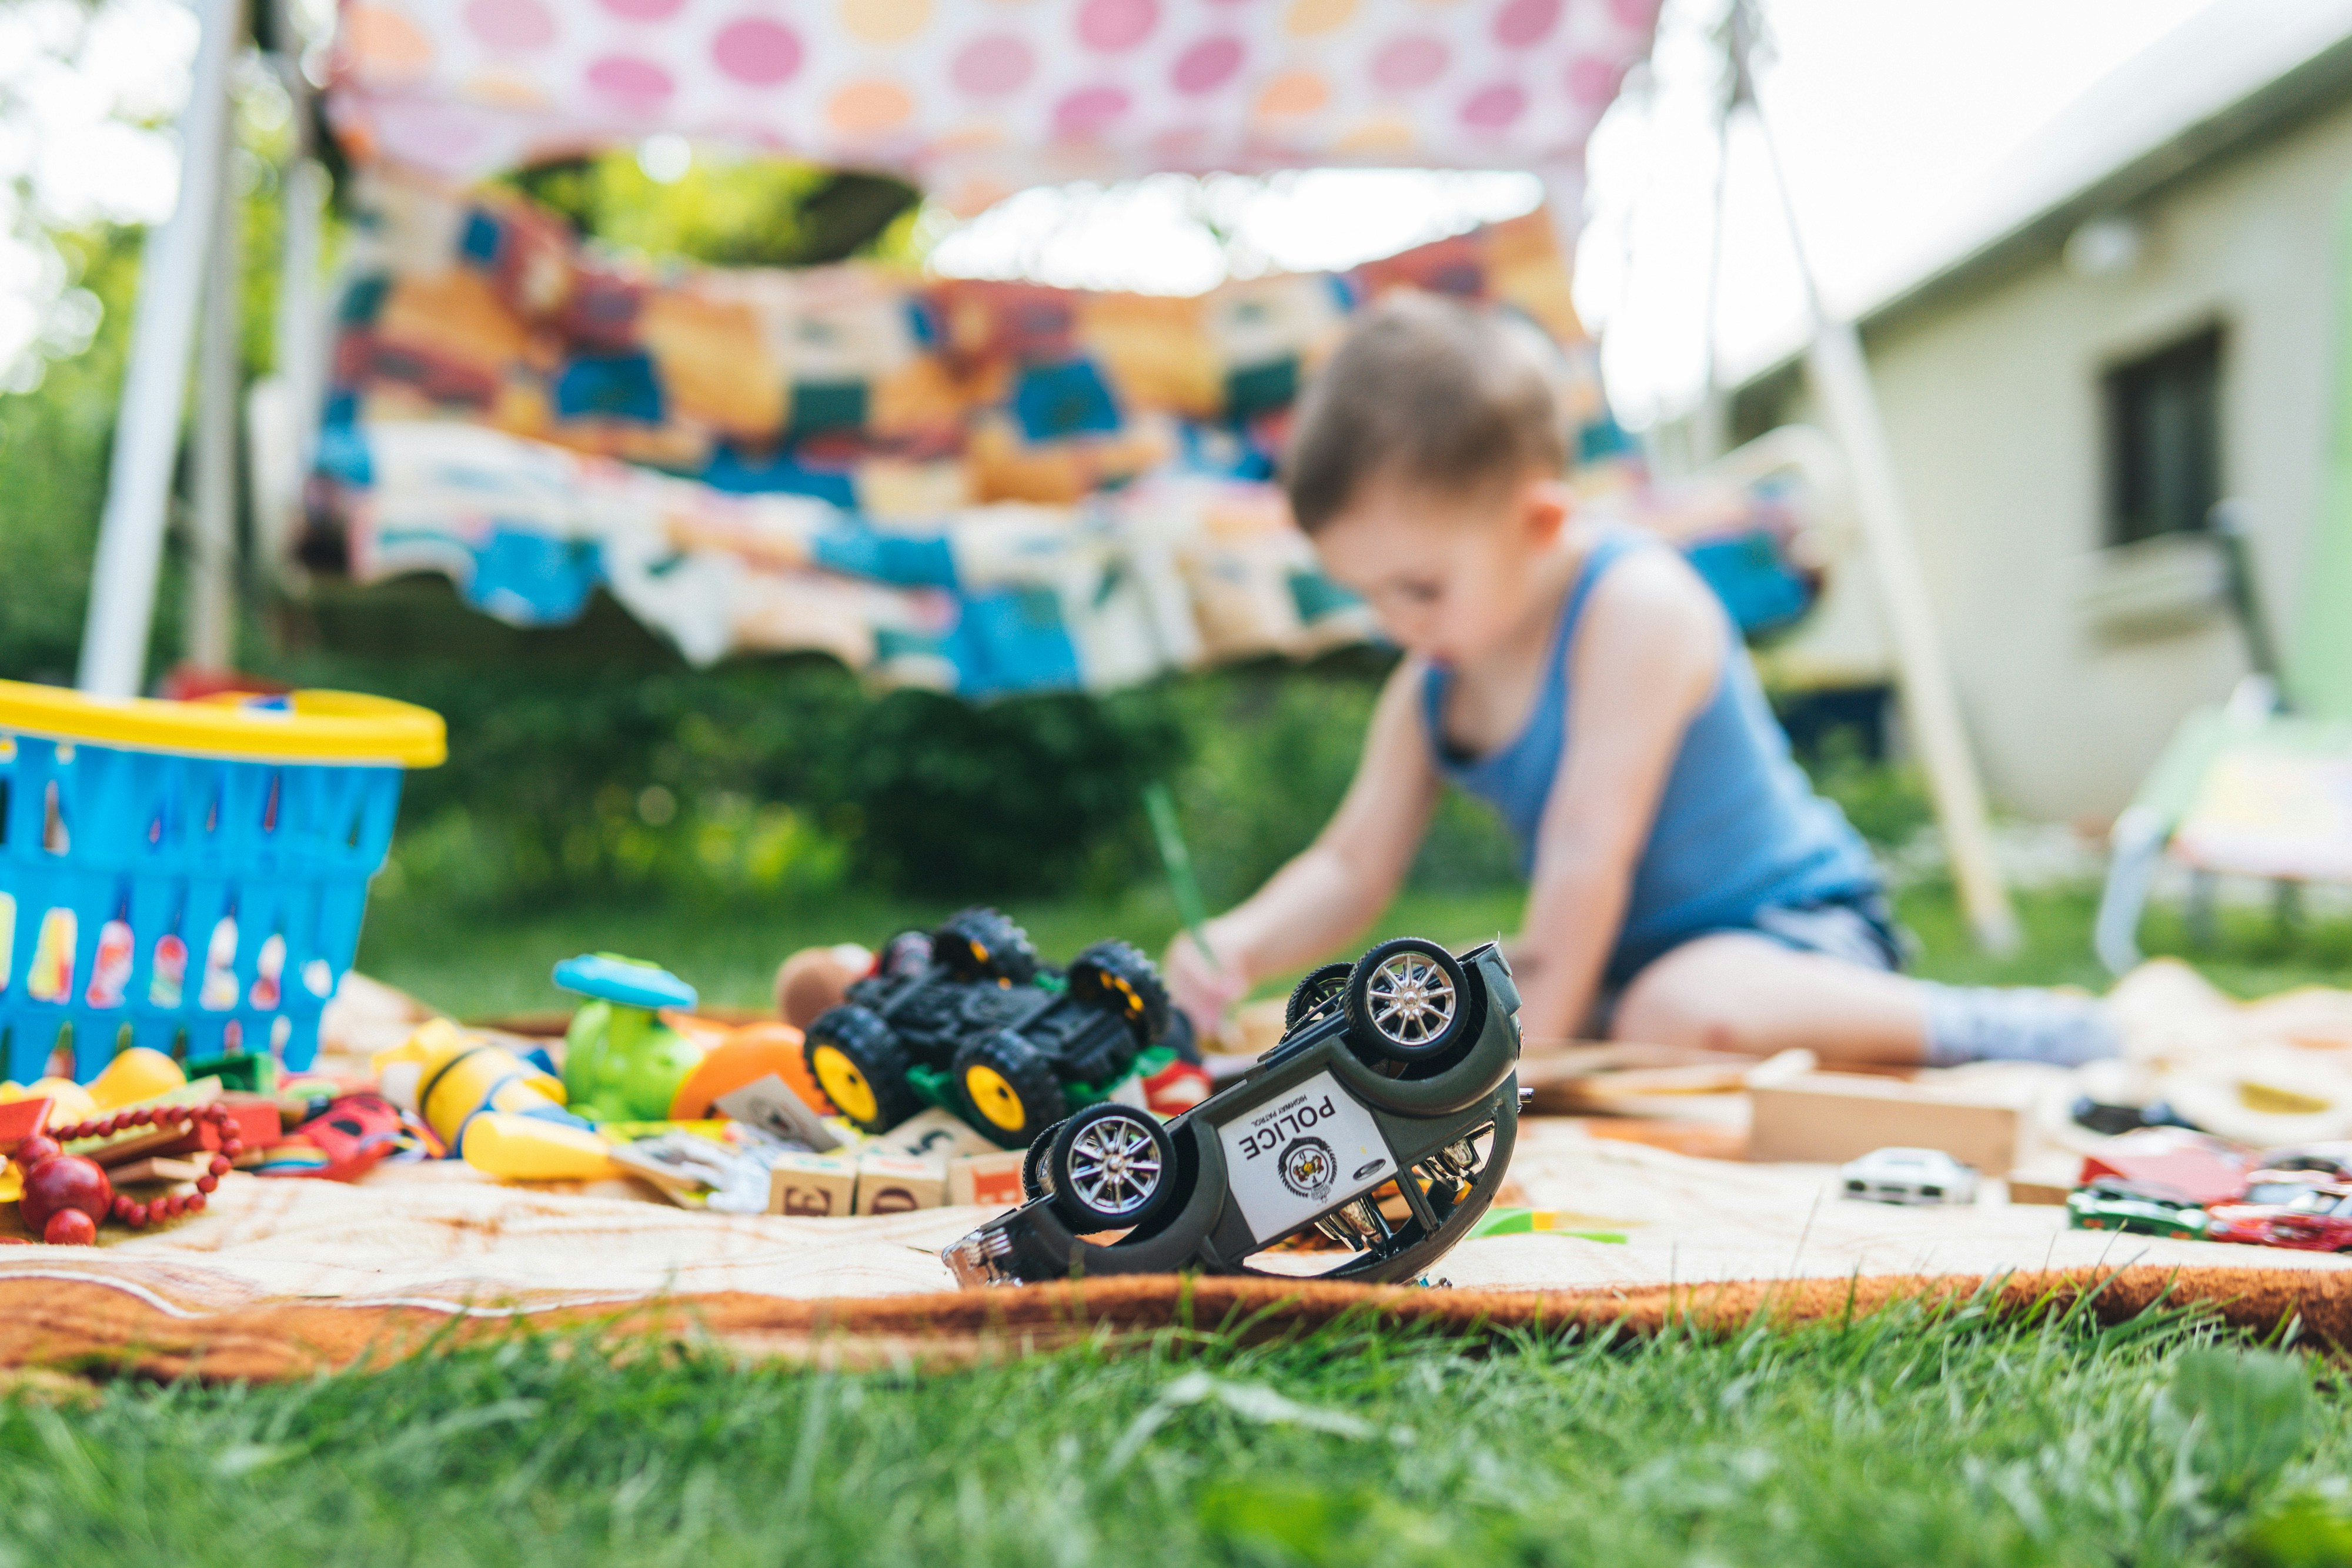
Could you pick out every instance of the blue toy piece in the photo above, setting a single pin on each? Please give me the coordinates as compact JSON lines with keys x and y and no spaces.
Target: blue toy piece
{"x":608,"y":977}
{"x":187,"y":868}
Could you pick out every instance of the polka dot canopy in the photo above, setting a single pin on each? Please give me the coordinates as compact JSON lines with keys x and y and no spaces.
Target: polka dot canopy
{"x":987,"y":93}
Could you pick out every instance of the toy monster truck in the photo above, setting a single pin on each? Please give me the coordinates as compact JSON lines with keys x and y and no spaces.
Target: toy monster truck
{"x":1363,"y":1124}
{"x":968,"y":1019}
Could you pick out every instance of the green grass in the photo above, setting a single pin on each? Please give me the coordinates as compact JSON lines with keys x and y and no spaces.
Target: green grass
{"x":1903,"y":1439}
{"x":1897,"y":1440}
{"x":481,"y":966}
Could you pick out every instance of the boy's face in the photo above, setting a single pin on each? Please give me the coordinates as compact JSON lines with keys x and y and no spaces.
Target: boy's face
{"x":1449,"y":578}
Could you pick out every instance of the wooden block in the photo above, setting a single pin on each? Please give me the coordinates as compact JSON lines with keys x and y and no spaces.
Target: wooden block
{"x":20,"y":1119}
{"x":992,"y":1179}
{"x":893,"y":1184}
{"x":936,"y":1135}
{"x":156,"y":1167}
{"x":1832,"y":1117}
{"x":812,"y":1187}
{"x":2040,"y":1194}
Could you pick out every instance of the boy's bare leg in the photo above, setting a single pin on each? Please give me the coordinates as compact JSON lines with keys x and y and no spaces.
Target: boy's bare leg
{"x":1753,"y":995}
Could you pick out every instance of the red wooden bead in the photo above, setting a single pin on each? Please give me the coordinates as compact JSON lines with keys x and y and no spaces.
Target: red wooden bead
{"x":220,"y":1165}
{"x":64,"y":1181}
{"x":196,"y":1202}
{"x":206,"y":1184}
{"x":69,"y":1227}
{"x":30,"y":1152}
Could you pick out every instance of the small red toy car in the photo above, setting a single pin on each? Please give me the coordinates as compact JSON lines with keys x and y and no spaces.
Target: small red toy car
{"x":2317,"y":1220}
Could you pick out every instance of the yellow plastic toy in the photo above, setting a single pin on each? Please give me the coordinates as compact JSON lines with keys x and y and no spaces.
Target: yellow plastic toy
{"x":450,"y":1078}
{"x":531,"y":1148}
{"x":137,"y":1074}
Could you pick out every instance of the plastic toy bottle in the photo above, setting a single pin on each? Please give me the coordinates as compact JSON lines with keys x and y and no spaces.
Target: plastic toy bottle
{"x":621,"y":1062}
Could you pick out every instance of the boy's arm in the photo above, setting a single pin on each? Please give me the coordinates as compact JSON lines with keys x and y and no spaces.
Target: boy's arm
{"x":1334,"y":887}
{"x":1646,"y":658}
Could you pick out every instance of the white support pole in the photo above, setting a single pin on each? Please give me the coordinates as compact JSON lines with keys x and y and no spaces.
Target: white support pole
{"x":1841,"y":380}
{"x":211,"y":630}
{"x":147,"y":432}
{"x":301,"y":336}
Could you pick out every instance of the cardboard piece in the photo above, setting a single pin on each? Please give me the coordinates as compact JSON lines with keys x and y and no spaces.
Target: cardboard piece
{"x":893,"y":1184}
{"x":992,"y":1179}
{"x":935,"y":1135}
{"x":769,"y":1104}
{"x":1830,"y":1118}
{"x":812,"y":1187}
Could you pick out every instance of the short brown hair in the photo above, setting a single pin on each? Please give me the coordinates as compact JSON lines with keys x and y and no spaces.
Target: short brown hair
{"x":1443,"y":395}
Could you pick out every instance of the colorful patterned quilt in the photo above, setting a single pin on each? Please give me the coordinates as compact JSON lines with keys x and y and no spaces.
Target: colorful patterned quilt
{"x":976,"y":486}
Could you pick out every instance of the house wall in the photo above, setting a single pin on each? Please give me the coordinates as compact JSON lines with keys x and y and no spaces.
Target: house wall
{"x":1994,"y":405}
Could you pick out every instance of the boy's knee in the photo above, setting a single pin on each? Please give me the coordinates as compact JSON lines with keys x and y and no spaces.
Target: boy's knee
{"x":1667,"y":1005}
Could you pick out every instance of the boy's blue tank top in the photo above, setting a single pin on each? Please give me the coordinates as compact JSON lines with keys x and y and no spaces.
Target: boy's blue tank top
{"x":1739,"y":828}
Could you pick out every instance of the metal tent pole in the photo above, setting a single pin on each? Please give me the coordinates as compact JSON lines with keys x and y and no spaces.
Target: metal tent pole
{"x":212,"y":555}
{"x":1841,"y":380}
{"x":170,"y":278}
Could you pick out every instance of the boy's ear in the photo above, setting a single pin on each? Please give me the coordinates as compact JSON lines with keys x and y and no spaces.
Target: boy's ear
{"x":1544,"y":505}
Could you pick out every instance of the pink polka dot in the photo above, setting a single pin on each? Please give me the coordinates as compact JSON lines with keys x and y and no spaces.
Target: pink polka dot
{"x":1207,"y":65}
{"x":755,"y":50}
{"x":995,"y":64}
{"x":1416,"y":59}
{"x":1635,"y":16}
{"x":1592,"y":81}
{"x":1524,"y":22}
{"x":1114,"y":25}
{"x":644,"y":10}
{"x":639,"y":84}
{"x":1492,"y":107}
{"x":1089,"y":111}
{"x":511,"y":24}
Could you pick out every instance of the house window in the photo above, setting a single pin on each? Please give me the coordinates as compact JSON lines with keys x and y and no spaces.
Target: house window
{"x":2164,"y":439}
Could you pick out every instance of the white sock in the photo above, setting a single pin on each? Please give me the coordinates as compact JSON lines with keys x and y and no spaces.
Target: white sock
{"x":2019,"y":1023}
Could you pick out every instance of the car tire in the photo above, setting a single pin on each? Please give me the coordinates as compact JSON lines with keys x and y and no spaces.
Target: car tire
{"x":1408,"y":1000}
{"x":856,"y":1058}
{"x":1118,"y":979}
{"x":1033,"y":1174}
{"x":980,"y":945}
{"x":1319,"y":991}
{"x":1006,"y":1088}
{"x":1112,"y":1167}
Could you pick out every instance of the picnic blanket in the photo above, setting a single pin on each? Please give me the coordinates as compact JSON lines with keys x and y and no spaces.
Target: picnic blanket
{"x":283,"y":1277}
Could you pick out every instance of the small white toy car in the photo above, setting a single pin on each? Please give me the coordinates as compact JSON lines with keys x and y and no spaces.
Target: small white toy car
{"x":1909,"y":1175}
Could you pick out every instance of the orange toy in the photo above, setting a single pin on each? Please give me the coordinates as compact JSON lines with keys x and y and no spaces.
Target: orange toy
{"x":746,"y":1055}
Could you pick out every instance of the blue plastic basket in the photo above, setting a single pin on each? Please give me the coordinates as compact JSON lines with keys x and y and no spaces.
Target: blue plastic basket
{"x":187,"y":876}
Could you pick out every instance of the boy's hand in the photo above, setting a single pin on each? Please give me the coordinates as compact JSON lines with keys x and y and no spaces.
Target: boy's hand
{"x":1204,"y":987}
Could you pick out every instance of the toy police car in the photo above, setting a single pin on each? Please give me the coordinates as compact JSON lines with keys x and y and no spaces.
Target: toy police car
{"x":1383,"y":1121}
{"x":967,"y":1018}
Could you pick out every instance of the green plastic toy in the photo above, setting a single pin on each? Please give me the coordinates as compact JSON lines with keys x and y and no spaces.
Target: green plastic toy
{"x":621,"y":1062}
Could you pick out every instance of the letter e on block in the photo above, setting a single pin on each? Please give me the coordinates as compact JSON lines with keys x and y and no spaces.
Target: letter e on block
{"x":812,"y":1187}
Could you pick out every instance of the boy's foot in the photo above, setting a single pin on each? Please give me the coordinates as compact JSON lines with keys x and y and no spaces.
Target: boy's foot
{"x":1995,"y":1023}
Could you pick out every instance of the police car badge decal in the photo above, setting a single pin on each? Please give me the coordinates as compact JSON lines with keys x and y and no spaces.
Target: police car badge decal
{"x":1309,"y":1168}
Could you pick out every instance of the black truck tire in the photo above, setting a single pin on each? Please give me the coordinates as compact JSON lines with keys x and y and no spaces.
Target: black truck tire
{"x":1118,"y":979}
{"x":857,"y":1059}
{"x":1006,"y":1088}
{"x":980,"y":945}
